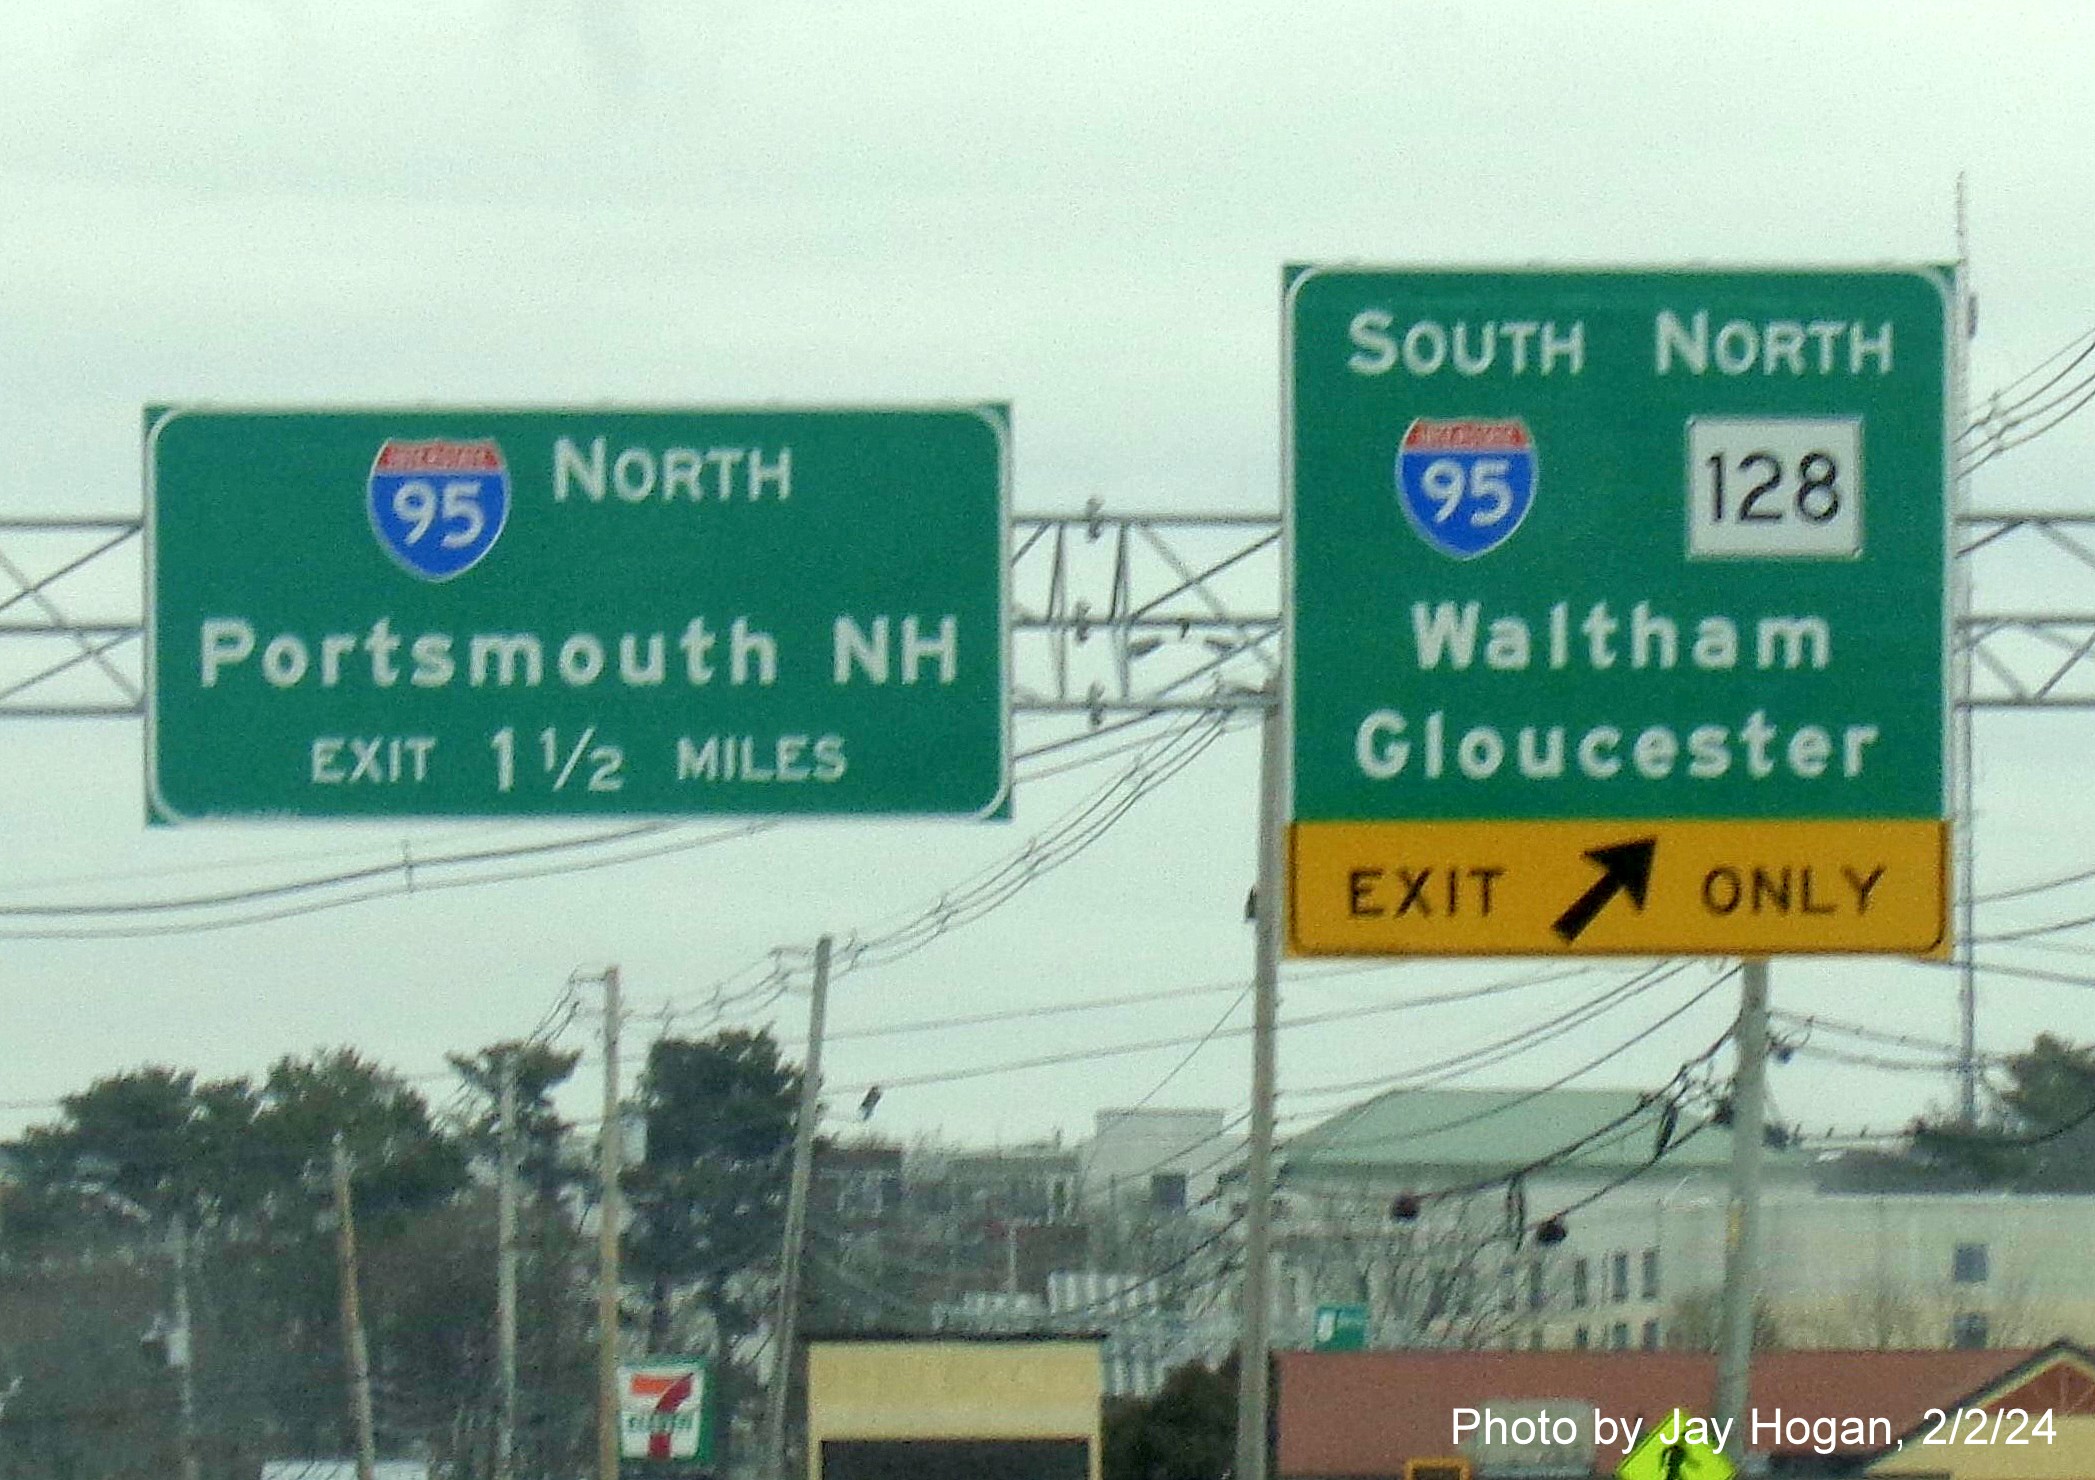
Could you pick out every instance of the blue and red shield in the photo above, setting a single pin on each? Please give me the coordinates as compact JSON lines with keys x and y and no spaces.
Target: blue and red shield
{"x":1466,"y":484}
{"x":438,"y":506}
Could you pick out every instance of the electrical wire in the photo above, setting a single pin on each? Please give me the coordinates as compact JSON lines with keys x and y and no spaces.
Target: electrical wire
{"x":2022,"y":891}
{"x":1528,"y":1096}
{"x":1814,"y":1021}
{"x":1121,"y":1050}
{"x":979,"y":894}
{"x":1312,"y":977}
{"x":1517,"y":1043}
{"x":1193,"y":1052}
{"x":2040,"y":410}
{"x":396,"y":880}
{"x":2008,"y":937}
{"x":407,"y":874}
{"x":2069,"y":348}
{"x":1645,"y":1103}
{"x":1940,"y":1065}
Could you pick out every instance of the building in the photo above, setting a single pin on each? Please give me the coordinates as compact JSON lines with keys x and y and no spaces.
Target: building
{"x":1169,"y":1161}
{"x":1032,"y":1183}
{"x":1845,"y":1269}
{"x":1423,"y":1205}
{"x":1367,"y":1415}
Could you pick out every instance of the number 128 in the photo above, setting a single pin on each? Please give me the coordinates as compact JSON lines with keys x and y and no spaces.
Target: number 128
{"x":1765,"y":489}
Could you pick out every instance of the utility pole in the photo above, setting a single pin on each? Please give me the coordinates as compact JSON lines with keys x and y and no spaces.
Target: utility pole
{"x":788,"y":1319}
{"x":1961,"y":583}
{"x":1742,"y":1228}
{"x":608,"y":1149}
{"x":180,"y":1348}
{"x":359,"y":1359}
{"x":1253,"y":1386}
{"x":505,"y":1269}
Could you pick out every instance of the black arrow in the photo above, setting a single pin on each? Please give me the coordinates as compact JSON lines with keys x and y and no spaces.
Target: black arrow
{"x":1625,"y":866}
{"x":1676,"y":1457}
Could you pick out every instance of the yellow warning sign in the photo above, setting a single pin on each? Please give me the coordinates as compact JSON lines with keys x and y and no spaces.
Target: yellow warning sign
{"x":1615,"y":888}
{"x":1677,"y":1449}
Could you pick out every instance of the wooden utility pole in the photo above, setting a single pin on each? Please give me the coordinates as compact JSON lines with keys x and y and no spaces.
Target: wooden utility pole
{"x":359,"y":1359}
{"x":609,"y":1148}
{"x":505,"y":1270}
{"x":787,"y":1322}
{"x":182,"y":1346}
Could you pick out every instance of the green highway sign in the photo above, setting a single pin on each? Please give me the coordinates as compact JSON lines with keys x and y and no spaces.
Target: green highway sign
{"x":1618,"y":616}
{"x":1340,"y":1328}
{"x":587,"y":612}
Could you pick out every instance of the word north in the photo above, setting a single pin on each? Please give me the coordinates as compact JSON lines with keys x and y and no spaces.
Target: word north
{"x":636,"y":474}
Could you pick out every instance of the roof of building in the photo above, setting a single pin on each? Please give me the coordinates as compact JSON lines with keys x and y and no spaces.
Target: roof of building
{"x":2060,"y":1379}
{"x":1491,"y":1131}
{"x":1366,"y":1413}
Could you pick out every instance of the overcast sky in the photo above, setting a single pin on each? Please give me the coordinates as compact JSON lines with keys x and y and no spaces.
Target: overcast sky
{"x":1079,"y":209}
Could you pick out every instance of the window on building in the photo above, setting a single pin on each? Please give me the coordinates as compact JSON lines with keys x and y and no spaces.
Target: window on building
{"x":1968,"y":1264}
{"x":1618,"y":1277}
{"x":1651,"y":1336}
{"x":1618,"y":1337}
{"x":1167,"y":1191}
{"x":1535,"y":1340}
{"x":1581,"y":1338}
{"x":1968,"y":1330}
{"x":1650,"y":1289}
{"x":1578,"y":1282}
{"x":1535,"y":1286}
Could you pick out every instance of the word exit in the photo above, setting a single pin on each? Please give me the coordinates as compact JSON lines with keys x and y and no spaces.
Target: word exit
{"x":1610,"y":887}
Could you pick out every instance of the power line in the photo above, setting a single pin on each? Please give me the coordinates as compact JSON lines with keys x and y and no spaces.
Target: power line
{"x":1151,"y":1045}
{"x":1857,"y":1059}
{"x":1163,"y":994}
{"x":405,"y":874}
{"x":1998,"y":424}
{"x":1515,"y":1043}
{"x":2008,"y":937}
{"x":980,"y":893}
{"x":1194,"y":1052}
{"x":394,"y":880}
{"x":2086,"y":336}
{"x":1528,"y":1096}
{"x":2021,"y":891}
{"x":1813,"y":1021}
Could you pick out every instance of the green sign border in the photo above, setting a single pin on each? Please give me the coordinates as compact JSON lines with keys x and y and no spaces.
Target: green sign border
{"x":372,"y":419}
{"x":1940,"y":278}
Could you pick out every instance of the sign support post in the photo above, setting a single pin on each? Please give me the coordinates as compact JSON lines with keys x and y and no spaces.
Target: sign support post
{"x":1742,"y":1225}
{"x":1254,"y":1378}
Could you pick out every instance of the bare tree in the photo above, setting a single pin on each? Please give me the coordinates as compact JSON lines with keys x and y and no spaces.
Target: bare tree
{"x":1456,"y":1272}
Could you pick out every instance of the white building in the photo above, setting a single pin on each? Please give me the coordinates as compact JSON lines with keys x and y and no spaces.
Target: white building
{"x":1167,"y":1160}
{"x":1487,"y":1169}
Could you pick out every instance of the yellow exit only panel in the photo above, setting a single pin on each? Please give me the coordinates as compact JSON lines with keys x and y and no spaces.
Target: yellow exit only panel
{"x":1615,"y":888}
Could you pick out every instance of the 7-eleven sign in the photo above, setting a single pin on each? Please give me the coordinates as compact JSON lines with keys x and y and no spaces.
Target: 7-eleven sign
{"x":662,"y":1411}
